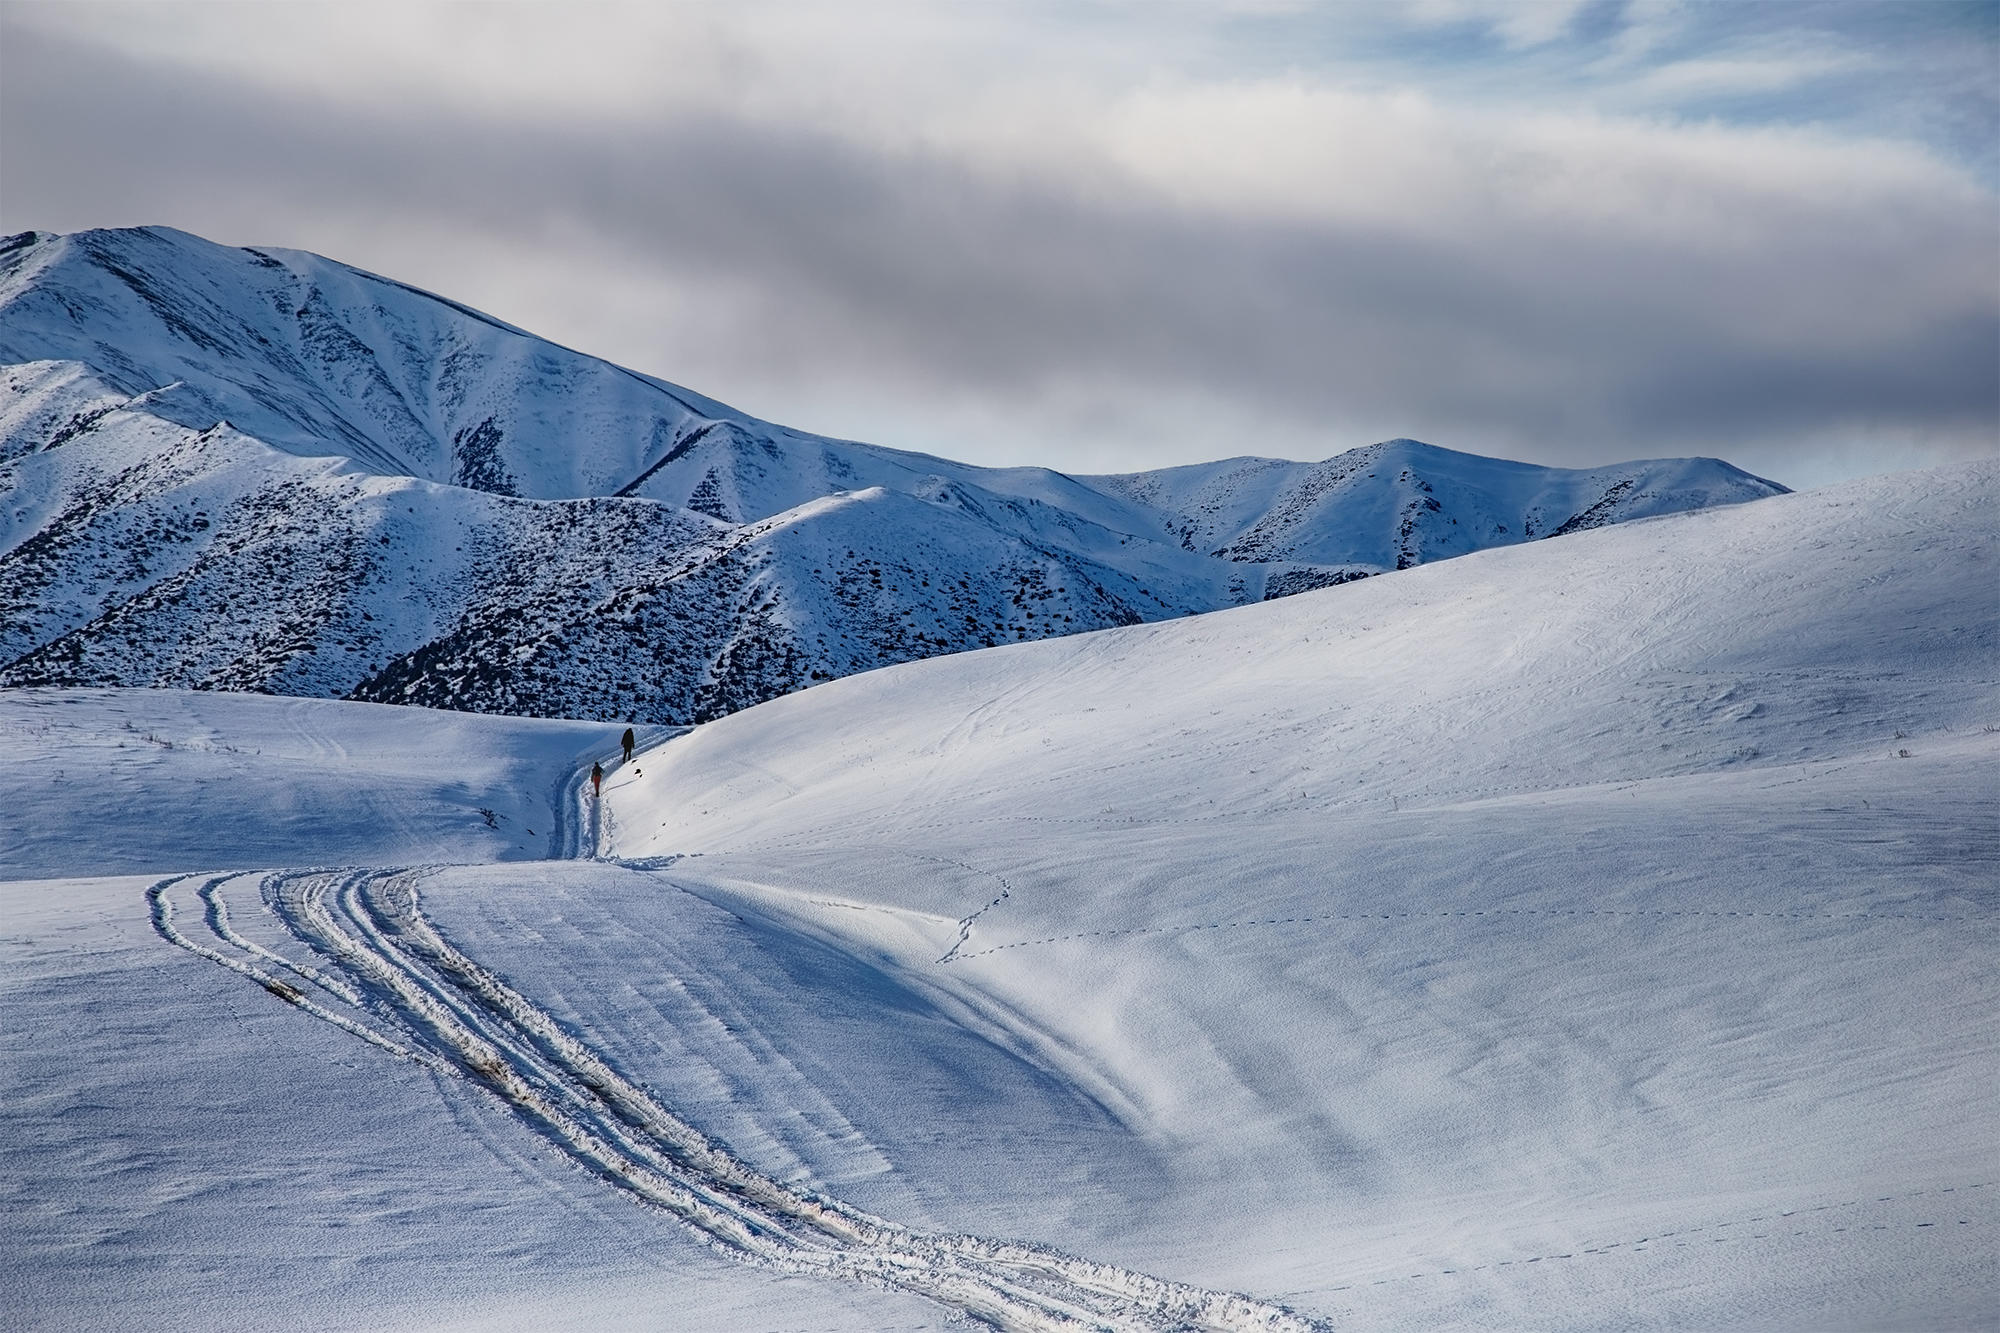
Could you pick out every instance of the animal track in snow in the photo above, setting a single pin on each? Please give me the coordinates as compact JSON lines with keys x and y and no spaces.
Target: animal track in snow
{"x":957,"y":957}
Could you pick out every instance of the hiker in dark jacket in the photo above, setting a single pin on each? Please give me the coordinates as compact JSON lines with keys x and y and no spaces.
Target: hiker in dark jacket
{"x":597,"y":779}
{"x":628,"y":740}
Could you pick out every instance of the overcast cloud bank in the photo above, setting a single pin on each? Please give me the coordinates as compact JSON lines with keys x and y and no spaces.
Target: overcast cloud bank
{"x":1111,"y":237}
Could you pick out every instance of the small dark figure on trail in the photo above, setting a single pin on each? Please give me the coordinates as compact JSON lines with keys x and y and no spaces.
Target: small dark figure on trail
{"x":628,"y":740}
{"x":597,"y":779}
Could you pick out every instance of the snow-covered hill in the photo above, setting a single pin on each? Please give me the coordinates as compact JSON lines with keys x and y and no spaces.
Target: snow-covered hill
{"x":204,"y":452}
{"x":142,"y":552}
{"x":1588,"y":934}
{"x":1591,"y":934}
{"x":214,"y":778}
{"x":1403,"y":503}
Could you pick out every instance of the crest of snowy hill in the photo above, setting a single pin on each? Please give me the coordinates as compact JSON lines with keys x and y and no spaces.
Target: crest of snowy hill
{"x":264,"y":470}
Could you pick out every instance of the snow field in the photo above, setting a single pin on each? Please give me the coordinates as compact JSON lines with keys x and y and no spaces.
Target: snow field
{"x":186,"y":1151}
{"x":351,"y":952}
{"x":1443,"y":931}
{"x":133,"y":781}
{"x":477,"y":1025}
{"x":1556,"y":938}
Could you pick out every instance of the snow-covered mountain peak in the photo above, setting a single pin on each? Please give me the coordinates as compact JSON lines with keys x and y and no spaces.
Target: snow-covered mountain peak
{"x":1403,"y":502}
{"x":311,"y":355}
{"x":577,"y":538}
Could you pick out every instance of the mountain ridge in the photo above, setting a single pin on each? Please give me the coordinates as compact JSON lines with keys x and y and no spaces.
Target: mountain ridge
{"x":202,"y":449}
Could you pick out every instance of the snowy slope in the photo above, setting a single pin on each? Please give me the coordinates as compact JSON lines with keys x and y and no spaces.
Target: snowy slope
{"x":195,"y":780}
{"x":1629,"y":654}
{"x":202,"y":451}
{"x":148,"y":1106}
{"x":1555,"y":939}
{"x":1591,"y":934}
{"x":139,"y":551}
{"x":316,"y":358}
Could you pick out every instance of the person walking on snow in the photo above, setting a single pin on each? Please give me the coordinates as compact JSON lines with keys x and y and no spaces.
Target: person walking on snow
{"x":597,"y":779}
{"x":628,"y":740}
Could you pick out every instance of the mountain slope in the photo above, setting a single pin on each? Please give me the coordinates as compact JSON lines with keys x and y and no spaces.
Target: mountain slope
{"x":1589,"y":934}
{"x":1424,"y":503}
{"x":203,"y":452}
{"x":314,"y":357}
{"x":145,"y":552}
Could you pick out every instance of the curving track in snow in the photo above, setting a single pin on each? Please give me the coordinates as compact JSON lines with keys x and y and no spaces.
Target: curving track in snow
{"x":579,"y":830}
{"x":382,"y":971}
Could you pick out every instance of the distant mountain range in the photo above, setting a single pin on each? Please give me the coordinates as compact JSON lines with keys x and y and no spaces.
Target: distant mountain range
{"x":262,"y":470}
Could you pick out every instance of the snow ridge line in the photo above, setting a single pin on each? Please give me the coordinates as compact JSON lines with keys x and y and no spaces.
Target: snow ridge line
{"x":956,"y":957}
{"x":370,"y":923}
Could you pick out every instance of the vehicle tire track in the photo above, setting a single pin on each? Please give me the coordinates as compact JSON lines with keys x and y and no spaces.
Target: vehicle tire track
{"x":162,"y":905}
{"x":462,"y":1020}
{"x":218,"y":922}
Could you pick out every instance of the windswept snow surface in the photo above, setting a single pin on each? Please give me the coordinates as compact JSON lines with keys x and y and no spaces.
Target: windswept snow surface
{"x":176,"y":1161}
{"x":1582,"y":935}
{"x":1554,"y":938}
{"x":182,"y":1149}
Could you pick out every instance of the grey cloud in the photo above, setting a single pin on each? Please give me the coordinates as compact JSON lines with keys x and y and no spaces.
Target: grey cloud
{"x":934,"y":279}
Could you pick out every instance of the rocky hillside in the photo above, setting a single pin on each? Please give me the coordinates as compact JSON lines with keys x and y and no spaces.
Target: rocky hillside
{"x":263,"y":470}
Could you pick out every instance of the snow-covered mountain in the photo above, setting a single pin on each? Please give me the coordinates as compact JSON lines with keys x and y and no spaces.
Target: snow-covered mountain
{"x":263,"y":470}
{"x":1589,"y":934}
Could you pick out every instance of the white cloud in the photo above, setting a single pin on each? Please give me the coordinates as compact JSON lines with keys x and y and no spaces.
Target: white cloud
{"x":1518,"y":23}
{"x":997,"y":230}
{"x":1740,"y":75}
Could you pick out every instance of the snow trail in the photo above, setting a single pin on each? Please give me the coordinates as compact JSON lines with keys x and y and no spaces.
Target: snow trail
{"x":163,"y":922}
{"x":459,"y":1019}
{"x":218,"y":922}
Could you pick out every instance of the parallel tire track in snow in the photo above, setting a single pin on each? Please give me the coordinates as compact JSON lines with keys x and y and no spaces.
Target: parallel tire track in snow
{"x":163,"y":922}
{"x":459,"y":1019}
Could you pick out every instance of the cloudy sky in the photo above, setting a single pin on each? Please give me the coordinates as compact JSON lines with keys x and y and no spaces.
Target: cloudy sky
{"x":1115,"y":235}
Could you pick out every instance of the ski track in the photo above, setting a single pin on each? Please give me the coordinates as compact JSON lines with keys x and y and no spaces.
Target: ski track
{"x":458,"y":1019}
